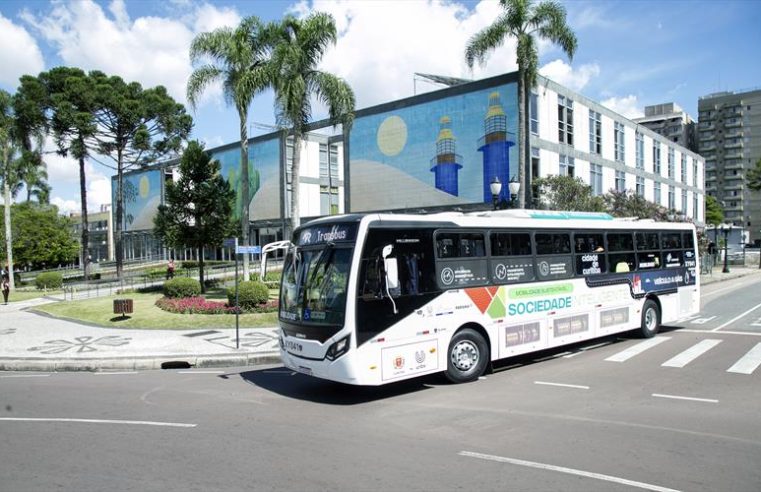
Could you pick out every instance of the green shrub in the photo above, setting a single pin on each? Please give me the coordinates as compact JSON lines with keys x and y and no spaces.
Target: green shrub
{"x":182,"y":287}
{"x":250,"y":294}
{"x":49,"y":280}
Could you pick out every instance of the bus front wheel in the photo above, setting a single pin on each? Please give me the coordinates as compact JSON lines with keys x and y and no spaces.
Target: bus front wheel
{"x":651,"y":319}
{"x":467,"y":357}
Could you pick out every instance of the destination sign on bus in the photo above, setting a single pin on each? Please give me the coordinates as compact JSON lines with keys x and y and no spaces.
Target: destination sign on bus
{"x":327,"y":234}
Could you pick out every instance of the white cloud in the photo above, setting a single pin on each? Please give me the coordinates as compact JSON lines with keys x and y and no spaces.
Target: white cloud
{"x":19,"y":53}
{"x":65,"y":206}
{"x":381,"y":47}
{"x":150,"y":50}
{"x":627,"y":106}
{"x":562,"y":73}
{"x":98,"y":192}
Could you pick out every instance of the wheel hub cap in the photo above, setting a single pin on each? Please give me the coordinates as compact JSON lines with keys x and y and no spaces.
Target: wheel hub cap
{"x":465,"y":355}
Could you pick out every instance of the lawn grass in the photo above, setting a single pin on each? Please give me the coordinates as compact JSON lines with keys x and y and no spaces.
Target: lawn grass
{"x":146,"y":315}
{"x":26,"y":294}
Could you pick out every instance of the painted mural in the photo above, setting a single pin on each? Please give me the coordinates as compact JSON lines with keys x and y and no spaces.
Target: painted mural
{"x":142,"y":197}
{"x":263,"y":175}
{"x":442,"y":152}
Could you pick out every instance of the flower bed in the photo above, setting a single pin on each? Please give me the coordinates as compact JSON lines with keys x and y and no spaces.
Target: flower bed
{"x":199,"y":305}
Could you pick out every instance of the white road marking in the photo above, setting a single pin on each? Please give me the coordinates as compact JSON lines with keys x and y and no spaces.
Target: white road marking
{"x":25,"y":376}
{"x":737,"y":317}
{"x":750,"y":333}
{"x":636,"y":349}
{"x":749,"y":362}
{"x":570,"y":471}
{"x":98,"y":421}
{"x":691,"y":353}
{"x":702,"y":321}
{"x":689,"y":398}
{"x":114,"y":373}
{"x":578,"y":386}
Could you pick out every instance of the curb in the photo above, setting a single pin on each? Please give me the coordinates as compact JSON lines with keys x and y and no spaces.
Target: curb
{"x":178,"y":361}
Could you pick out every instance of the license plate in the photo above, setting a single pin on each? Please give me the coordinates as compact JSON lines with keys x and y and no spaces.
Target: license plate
{"x":304,"y":370}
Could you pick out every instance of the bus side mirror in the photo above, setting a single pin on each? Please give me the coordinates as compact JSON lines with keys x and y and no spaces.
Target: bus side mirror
{"x":391,"y":268}
{"x":392,"y":274}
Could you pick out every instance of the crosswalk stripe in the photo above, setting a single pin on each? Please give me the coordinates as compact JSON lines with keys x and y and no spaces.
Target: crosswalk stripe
{"x":749,"y":362}
{"x":691,"y":353}
{"x":636,"y":349}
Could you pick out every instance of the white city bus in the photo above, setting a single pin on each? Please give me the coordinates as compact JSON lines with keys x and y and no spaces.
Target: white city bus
{"x":371,"y":299}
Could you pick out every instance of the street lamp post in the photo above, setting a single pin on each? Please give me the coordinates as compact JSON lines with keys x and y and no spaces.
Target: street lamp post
{"x":725,"y":229}
{"x":515,"y":188}
{"x":496,"y":188}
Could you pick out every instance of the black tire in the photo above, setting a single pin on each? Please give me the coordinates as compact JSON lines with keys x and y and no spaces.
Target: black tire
{"x":651,"y":319}
{"x":467,"y":356}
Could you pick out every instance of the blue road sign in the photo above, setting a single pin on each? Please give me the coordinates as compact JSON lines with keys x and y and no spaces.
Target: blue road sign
{"x":230,"y":242}
{"x":248,"y":249}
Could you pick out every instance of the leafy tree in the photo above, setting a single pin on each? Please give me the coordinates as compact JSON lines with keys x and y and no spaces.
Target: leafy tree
{"x":32,"y":126}
{"x":628,"y":204}
{"x":568,"y":193}
{"x":41,"y":237}
{"x":135,"y":126}
{"x":67,"y":98}
{"x":198,"y":209}
{"x":239,"y":58}
{"x":525,"y":21}
{"x":299,"y":47}
{"x":714,"y":212}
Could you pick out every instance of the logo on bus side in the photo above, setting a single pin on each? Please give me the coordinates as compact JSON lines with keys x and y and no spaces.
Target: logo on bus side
{"x":447,"y":276}
{"x":398,"y":362}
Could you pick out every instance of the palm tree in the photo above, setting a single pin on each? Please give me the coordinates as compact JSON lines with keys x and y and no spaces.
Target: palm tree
{"x":9,"y":172}
{"x":300,"y":45}
{"x":35,"y":176}
{"x":239,"y":59}
{"x":524,"y":20}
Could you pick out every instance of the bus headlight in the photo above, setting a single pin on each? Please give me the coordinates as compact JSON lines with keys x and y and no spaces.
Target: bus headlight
{"x":339,"y":348}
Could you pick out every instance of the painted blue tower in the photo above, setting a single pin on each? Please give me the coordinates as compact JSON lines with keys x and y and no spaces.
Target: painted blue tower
{"x":496,"y":149}
{"x":445,"y":165}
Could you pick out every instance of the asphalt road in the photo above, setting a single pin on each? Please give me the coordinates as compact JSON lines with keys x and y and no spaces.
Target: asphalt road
{"x":680,"y":413}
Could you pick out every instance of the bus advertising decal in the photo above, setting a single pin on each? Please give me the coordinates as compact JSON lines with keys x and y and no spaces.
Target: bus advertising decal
{"x":405,"y":360}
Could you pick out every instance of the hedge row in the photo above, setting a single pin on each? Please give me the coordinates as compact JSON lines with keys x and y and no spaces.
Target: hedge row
{"x":182,"y":287}
{"x":49,"y":280}
{"x":250,"y":295}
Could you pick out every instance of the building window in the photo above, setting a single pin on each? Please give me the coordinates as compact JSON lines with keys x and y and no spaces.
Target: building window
{"x":534,"y":113}
{"x":684,"y":169}
{"x":324,"y":161}
{"x":620,"y":181}
{"x":535,"y":167}
{"x":695,"y":209}
{"x":567,"y":166}
{"x":657,"y":193}
{"x":595,"y":132}
{"x":565,"y":120}
{"x":684,"y":202}
{"x":618,"y":141}
{"x":640,"y":150}
{"x":656,"y":157}
{"x":640,"y":186}
{"x":671,"y":163}
{"x":672,"y":198}
{"x":595,"y":178}
{"x":694,"y":172}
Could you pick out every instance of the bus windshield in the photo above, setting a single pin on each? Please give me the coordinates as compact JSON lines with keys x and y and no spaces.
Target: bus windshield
{"x":314,"y":285}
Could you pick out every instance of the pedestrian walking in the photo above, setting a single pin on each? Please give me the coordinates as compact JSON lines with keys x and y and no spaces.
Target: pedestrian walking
{"x":6,"y":287}
{"x":170,"y":269}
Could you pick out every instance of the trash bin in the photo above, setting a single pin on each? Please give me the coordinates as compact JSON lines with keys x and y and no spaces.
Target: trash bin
{"x":123,"y":306}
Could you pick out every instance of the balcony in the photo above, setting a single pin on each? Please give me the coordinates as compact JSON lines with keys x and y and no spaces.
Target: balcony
{"x":734,"y":134}
{"x":735,"y":145}
{"x":707,"y":136}
{"x":706,"y":125}
{"x":707,"y":147}
{"x":734,"y":155}
{"x":732,"y":187}
{"x":733,"y":123}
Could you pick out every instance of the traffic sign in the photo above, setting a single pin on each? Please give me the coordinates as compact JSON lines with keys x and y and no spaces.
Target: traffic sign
{"x":248,"y":249}
{"x":230,"y":242}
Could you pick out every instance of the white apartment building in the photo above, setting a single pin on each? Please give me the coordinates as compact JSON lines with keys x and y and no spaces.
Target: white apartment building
{"x":571,"y":134}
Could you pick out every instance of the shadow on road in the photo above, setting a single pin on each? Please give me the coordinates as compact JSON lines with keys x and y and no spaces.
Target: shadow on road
{"x":287,"y":383}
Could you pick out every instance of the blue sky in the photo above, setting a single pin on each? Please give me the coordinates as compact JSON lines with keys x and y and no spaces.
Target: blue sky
{"x":630,"y":54}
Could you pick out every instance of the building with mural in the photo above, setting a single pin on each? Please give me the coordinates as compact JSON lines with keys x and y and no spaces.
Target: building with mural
{"x":437,"y":151}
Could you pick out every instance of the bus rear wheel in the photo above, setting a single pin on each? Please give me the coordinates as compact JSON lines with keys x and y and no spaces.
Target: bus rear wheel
{"x":467,"y":357}
{"x":651,"y":319}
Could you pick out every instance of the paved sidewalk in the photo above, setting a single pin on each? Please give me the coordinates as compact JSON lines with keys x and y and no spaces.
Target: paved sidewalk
{"x":33,"y":342}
